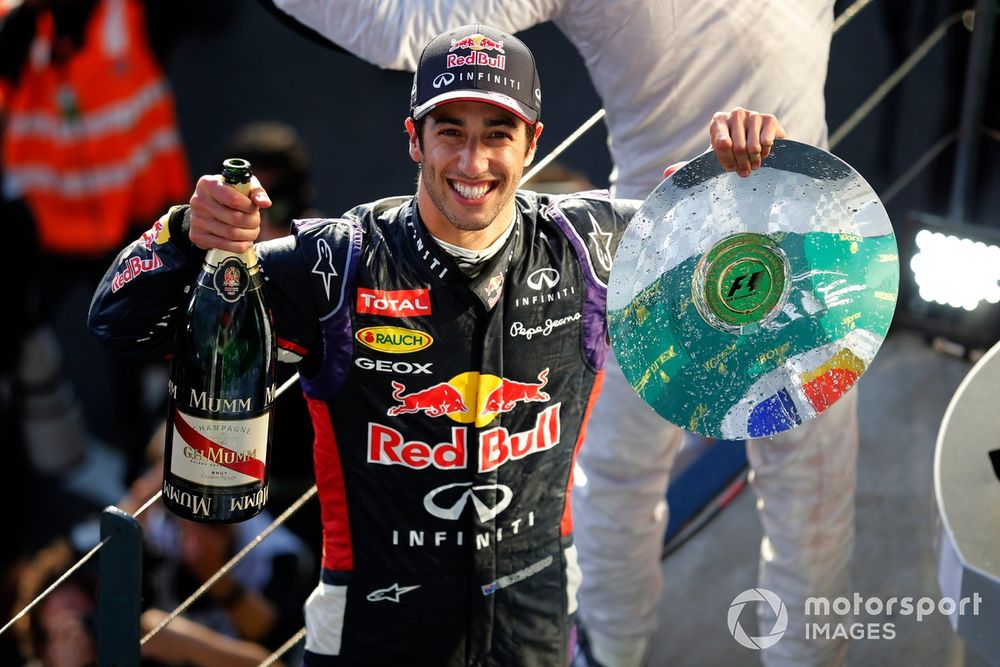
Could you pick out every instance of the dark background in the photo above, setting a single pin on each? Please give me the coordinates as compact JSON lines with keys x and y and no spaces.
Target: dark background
{"x":241,"y":64}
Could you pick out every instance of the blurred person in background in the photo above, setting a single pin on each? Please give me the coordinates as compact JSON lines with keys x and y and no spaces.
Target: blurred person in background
{"x":61,"y":630}
{"x":259,"y":600}
{"x":658,"y":66}
{"x":245,"y":615}
{"x":90,"y":141}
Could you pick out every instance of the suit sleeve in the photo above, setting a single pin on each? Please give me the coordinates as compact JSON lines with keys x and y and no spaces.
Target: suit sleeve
{"x":142,"y":297}
{"x":392,"y":33}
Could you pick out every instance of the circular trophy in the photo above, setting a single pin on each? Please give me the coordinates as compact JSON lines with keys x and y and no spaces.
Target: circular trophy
{"x":744,"y":307}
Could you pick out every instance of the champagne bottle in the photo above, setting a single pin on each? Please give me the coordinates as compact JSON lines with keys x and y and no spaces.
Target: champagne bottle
{"x":221,"y":389}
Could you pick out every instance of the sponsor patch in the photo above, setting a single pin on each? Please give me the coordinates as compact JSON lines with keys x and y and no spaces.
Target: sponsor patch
{"x":394,"y":303}
{"x":133,"y":266}
{"x":496,"y":446}
{"x":395,"y":340}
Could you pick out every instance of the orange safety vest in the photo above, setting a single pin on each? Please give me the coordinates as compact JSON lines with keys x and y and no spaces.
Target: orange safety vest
{"x":92,"y":144}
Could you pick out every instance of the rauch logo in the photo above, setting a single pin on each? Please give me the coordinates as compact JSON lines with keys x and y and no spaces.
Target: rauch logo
{"x":395,"y":340}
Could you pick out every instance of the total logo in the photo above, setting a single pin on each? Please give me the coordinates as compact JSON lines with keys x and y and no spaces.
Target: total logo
{"x":469,"y":397}
{"x":394,"y":303}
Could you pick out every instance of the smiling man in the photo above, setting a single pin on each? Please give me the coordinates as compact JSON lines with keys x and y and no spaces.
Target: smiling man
{"x":450,"y":346}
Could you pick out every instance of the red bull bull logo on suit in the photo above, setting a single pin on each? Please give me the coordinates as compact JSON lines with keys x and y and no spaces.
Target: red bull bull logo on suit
{"x":468,"y":398}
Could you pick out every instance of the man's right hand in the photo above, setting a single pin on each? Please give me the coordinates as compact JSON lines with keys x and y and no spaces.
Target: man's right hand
{"x":224,"y":218}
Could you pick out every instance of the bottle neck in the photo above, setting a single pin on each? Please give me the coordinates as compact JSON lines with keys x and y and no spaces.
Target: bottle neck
{"x":215,"y":256}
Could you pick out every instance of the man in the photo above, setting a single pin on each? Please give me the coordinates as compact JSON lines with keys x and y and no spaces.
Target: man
{"x":451,"y":346}
{"x":657,"y":66}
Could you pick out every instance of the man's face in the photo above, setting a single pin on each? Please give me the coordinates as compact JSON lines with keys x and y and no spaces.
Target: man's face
{"x":472,"y":156}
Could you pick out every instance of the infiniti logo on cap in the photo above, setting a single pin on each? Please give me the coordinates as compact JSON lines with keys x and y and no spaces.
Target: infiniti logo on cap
{"x":443,"y":79}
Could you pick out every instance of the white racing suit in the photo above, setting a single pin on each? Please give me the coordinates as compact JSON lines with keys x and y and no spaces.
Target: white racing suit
{"x":662,"y":68}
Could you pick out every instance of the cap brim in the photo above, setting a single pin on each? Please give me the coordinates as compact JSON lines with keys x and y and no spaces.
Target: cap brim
{"x":496,"y":99}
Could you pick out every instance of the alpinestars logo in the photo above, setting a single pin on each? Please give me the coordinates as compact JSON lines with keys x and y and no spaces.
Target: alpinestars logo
{"x":390,"y":594}
{"x":601,"y":241}
{"x":324,"y":265}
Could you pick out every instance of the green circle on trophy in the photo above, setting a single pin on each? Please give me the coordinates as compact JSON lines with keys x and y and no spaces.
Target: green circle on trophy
{"x":741,"y":281}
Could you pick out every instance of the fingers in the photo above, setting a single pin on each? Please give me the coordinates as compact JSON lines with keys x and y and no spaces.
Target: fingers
{"x":222,"y":217}
{"x":722,"y":142}
{"x":752,"y":157}
{"x":743,"y":139}
{"x":672,"y":168}
{"x":258,"y":195}
{"x":770,"y":130}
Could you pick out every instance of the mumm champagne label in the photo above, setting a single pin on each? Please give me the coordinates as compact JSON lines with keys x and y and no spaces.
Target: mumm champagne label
{"x":219,"y":453}
{"x":201,"y":505}
{"x":200,"y":400}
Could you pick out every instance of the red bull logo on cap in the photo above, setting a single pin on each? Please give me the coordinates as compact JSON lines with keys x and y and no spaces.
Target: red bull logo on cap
{"x":477,"y":42}
{"x":479,"y":45}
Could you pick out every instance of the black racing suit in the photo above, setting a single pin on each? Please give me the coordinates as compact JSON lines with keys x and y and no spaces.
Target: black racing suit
{"x":447,"y":413}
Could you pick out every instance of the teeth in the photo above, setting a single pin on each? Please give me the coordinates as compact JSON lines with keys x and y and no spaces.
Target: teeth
{"x":470,"y":192}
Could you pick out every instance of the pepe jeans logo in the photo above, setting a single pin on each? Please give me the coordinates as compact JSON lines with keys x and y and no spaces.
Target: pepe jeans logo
{"x":544,"y":329}
{"x":452,"y":507}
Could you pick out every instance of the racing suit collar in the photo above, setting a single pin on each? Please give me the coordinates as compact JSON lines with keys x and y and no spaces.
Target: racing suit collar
{"x":488,"y":285}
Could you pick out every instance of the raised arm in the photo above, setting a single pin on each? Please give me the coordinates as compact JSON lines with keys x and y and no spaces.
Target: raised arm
{"x":392,"y":33}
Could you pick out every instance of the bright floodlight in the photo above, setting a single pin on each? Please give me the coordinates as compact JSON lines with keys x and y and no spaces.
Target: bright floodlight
{"x":956,"y":272}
